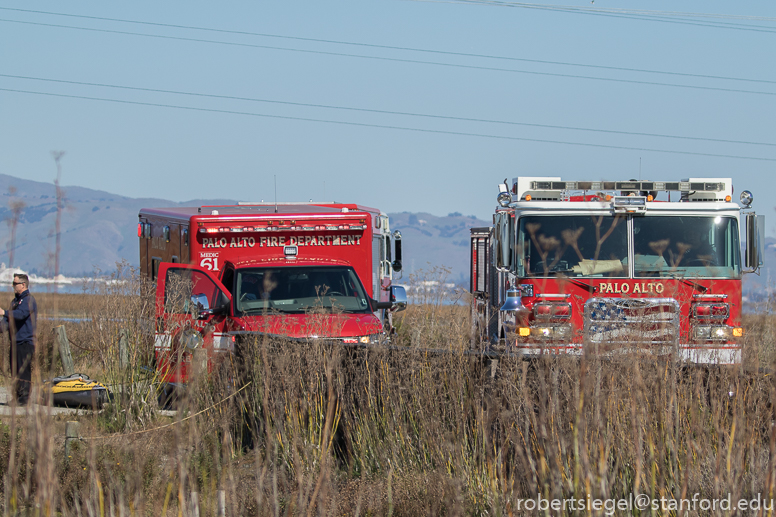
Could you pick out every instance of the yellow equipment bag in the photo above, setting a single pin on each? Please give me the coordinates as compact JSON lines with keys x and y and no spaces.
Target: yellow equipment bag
{"x":77,"y":390}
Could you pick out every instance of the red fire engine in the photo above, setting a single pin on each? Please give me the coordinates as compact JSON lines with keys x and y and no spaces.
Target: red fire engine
{"x":609,"y":266}
{"x":295,"y":270}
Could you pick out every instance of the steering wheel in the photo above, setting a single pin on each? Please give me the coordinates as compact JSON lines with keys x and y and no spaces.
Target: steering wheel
{"x":245,"y":296}
{"x":334,"y":293}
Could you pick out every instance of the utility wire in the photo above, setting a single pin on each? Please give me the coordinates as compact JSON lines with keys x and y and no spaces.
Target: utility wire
{"x":397,"y":60}
{"x":641,"y":17}
{"x":620,"y":10}
{"x":614,"y":14}
{"x":634,"y":12}
{"x":390,"y":47}
{"x":384,"y":112}
{"x":623,"y":13}
{"x":381,"y":126}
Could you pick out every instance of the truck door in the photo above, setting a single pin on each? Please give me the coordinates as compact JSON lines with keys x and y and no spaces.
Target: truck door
{"x":192,"y":309}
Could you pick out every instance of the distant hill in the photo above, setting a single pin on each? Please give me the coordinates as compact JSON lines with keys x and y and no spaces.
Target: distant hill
{"x":99,"y":229}
{"x":429,"y":241}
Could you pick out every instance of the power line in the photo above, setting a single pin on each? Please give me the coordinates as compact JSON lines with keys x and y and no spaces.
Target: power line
{"x":641,"y":17}
{"x":621,"y":10}
{"x":564,"y":8}
{"x":381,"y":126}
{"x":397,"y":60}
{"x":614,"y":13}
{"x":388,"y":47}
{"x":383,"y":112}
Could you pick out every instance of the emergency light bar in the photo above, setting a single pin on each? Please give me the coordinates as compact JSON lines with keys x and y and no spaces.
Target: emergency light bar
{"x":539,"y":188}
{"x":681,"y":186}
{"x":630,"y":203}
{"x":242,"y":229}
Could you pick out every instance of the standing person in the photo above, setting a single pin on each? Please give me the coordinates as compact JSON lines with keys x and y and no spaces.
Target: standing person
{"x":20,"y":321}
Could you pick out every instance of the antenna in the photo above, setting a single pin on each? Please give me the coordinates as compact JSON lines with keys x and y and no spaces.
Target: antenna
{"x":639,"y":168}
{"x":276,"y":192}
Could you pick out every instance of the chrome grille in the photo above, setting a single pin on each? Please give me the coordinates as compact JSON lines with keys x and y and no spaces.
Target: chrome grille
{"x":617,"y":322}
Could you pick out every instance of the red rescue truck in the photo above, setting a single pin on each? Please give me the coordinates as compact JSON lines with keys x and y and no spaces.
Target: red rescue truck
{"x":296,"y":270}
{"x":570,"y":267}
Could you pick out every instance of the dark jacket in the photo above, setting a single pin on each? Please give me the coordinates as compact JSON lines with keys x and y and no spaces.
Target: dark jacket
{"x":25,"y":316}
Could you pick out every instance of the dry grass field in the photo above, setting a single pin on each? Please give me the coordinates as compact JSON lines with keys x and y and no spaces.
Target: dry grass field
{"x":307,"y":429}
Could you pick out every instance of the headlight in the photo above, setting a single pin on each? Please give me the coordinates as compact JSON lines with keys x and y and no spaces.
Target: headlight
{"x":364,"y":340}
{"x":547,"y":332}
{"x":712,"y":333}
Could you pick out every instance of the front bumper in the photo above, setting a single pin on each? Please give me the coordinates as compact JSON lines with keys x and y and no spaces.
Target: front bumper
{"x":692,"y":353}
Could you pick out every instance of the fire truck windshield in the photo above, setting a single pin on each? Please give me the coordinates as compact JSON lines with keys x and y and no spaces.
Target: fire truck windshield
{"x":299,"y":289}
{"x":572,"y":245}
{"x":672,"y":246}
{"x":597,"y":246}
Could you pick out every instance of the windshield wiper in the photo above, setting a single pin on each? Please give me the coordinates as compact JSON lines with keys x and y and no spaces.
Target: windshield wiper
{"x":695,"y":285}
{"x":579,"y":283}
{"x":686,"y":281}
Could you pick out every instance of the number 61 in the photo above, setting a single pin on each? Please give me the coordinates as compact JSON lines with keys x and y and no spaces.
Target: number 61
{"x":210,"y":263}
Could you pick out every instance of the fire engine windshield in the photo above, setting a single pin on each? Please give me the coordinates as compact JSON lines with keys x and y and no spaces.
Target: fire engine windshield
{"x":671,"y":246}
{"x":573,"y":245}
{"x":298,"y":289}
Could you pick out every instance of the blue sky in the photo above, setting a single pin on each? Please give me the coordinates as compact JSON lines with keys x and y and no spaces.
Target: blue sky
{"x":402,"y":105}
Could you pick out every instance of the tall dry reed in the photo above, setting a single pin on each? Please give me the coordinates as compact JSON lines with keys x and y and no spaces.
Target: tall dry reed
{"x":417,"y":428}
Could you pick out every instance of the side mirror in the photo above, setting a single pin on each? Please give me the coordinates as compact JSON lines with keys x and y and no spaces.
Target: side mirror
{"x":207,"y":313}
{"x":397,"y":251}
{"x":201,"y":307}
{"x":755,"y":236}
{"x":398,"y":298}
{"x":199,"y":303}
{"x":503,"y":239}
{"x":497,"y":224}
